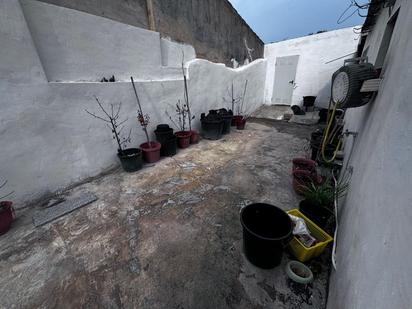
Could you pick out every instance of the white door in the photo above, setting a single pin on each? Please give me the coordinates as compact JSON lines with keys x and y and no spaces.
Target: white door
{"x":285,"y":73}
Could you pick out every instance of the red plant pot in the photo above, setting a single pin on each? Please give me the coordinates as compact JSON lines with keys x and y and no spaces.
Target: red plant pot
{"x":235,"y":120}
{"x":303,"y":164}
{"x":194,"y":137}
{"x":6,"y":216}
{"x":183,"y":139}
{"x":241,"y":124}
{"x":151,"y":151}
{"x":303,"y":178}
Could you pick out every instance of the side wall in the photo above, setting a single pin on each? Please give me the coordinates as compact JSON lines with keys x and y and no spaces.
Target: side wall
{"x":48,"y":140}
{"x":313,"y":75}
{"x":213,"y":27}
{"x":374,"y":268}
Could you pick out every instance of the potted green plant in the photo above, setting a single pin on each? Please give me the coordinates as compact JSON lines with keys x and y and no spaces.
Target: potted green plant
{"x":130,"y":158}
{"x":6,"y":212}
{"x":183,"y":136}
{"x":319,"y":200}
{"x":150,"y":149}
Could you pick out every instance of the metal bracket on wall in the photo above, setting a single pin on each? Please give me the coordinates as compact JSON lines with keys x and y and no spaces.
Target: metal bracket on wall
{"x":371,"y":85}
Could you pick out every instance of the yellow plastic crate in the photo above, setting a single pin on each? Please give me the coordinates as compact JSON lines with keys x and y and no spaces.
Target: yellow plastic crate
{"x":300,"y":251}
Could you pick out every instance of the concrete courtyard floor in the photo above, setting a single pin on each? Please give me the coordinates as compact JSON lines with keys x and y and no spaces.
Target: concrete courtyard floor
{"x":168,"y":236}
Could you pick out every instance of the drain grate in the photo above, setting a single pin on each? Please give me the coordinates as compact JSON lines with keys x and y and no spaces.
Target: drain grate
{"x":59,"y":210}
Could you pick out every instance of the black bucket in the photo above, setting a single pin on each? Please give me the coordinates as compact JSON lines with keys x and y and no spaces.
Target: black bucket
{"x":267,"y":229}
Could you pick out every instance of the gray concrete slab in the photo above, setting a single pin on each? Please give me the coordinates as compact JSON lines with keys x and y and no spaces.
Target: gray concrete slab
{"x":167,"y":236}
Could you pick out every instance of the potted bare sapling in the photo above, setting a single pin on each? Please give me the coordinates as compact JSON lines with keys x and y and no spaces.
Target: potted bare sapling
{"x":194,"y":135}
{"x":234,"y":101}
{"x":6,"y":212}
{"x":242,"y":116}
{"x":183,"y":136}
{"x":150,"y":149}
{"x":130,"y":158}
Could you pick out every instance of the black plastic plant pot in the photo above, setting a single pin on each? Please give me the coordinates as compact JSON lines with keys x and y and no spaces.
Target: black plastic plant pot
{"x":169,"y":147}
{"x":131,"y":159}
{"x":227,"y":123}
{"x":212,"y":129}
{"x":163,"y":127}
{"x":267,"y":230}
{"x":309,"y":101}
{"x":227,"y":117}
{"x":163,"y":135}
{"x":317,"y":213}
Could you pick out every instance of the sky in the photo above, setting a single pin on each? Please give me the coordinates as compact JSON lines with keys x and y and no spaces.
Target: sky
{"x":277,"y":20}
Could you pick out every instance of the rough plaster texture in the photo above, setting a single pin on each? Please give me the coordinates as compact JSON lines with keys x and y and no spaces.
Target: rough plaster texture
{"x":76,"y":46}
{"x":213,"y":27}
{"x":373,"y":255}
{"x":52,"y":142}
{"x":168,"y":236}
{"x":132,"y":12}
{"x":313,"y":75}
{"x":174,"y":53}
{"x":15,"y":38}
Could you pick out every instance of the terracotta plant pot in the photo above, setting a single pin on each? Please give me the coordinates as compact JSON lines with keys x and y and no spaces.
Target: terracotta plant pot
{"x":6,"y":216}
{"x":241,"y":124}
{"x":303,"y":178}
{"x":194,"y":137}
{"x":183,"y":139}
{"x":303,"y":164}
{"x":236,"y":119}
{"x":151,"y":151}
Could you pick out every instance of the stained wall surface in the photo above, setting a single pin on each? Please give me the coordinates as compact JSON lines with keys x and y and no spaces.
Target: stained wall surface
{"x":212,"y":27}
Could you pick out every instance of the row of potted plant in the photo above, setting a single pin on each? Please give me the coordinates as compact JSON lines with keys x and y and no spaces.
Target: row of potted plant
{"x":218,"y":122}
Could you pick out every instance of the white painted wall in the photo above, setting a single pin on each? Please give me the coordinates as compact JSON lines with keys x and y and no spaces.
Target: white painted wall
{"x":49,"y":142}
{"x":313,"y":76}
{"x":15,"y":36}
{"x":373,"y":248}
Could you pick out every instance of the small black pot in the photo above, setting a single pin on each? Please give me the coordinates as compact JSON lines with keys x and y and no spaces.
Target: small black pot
{"x":131,"y":159}
{"x":169,"y":147}
{"x":164,"y":135}
{"x":227,"y":117}
{"x":162,"y":128}
{"x":317,"y":213}
{"x":309,"y":101}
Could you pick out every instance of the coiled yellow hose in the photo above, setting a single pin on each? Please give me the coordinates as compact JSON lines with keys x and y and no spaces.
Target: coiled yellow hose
{"x":326,"y":137}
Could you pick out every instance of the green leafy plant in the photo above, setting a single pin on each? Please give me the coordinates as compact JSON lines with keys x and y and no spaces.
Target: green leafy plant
{"x":324,"y":194}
